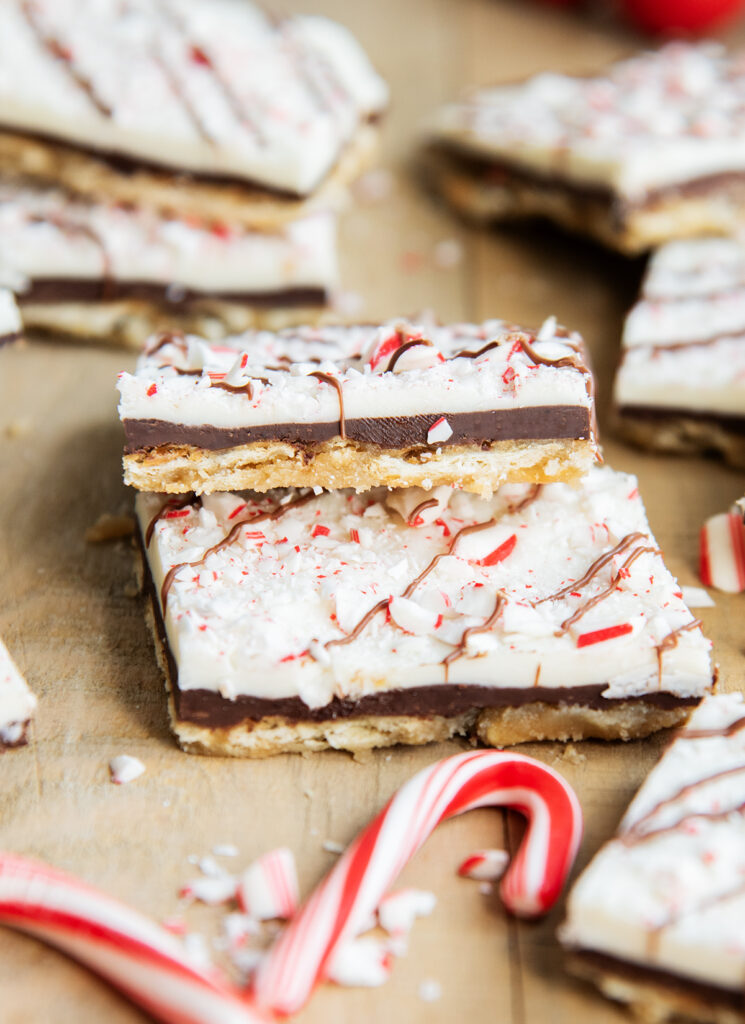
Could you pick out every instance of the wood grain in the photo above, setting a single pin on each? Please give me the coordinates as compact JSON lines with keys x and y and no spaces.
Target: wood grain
{"x":66,"y":615}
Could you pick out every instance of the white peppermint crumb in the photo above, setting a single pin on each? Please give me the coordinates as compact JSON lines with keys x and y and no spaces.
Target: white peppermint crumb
{"x":317,"y":490}
{"x":197,"y":951}
{"x":697,"y":597}
{"x":211,"y":891}
{"x":314,"y":831}
{"x":209,"y":867}
{"x":166,"y":803}
{"x":430,"y":990}
{"x":448,"y":253}
{"x":427,"y":483}
{"x":548,"y":329}
{"x":225,"y":850}
{"x":125,"y":768}
{"x":388,"y":757}
{"x":330,"y":846}
{"x":486,"y":888}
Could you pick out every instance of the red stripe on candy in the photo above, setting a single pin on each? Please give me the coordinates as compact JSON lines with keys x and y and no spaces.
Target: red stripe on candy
{"x":597,"y":636}
{"x":500,"y":553}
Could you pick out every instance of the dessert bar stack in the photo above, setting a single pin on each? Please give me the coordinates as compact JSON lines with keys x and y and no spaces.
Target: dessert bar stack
{"x":179,"y":163}
{"x":369,"y":535}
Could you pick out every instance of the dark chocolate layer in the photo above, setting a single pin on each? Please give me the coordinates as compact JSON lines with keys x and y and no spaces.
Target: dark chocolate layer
{"x":709,"y":994}
{"x":47,"y":290}
{"x":212,"y":710}
{"x":733,"y":423}
{"x":546,"y":422}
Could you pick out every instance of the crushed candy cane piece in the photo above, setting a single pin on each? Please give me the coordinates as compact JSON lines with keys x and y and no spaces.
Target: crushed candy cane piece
{"x":211,"y":891}
{"x":123,"y":769}
{"x":722,"y":552}
{"x":364,"y":963}
{"x":485,"y":865}
{"x":430,"y":990}
{"x":439,"y":431}
{"x":268,"y":888}
{"x":697,"y":597}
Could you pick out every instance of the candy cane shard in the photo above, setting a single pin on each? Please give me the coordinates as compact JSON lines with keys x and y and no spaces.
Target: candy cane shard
{"x":138,"y":957}
{"x":350,"y":893}
{"x":722,"y":552}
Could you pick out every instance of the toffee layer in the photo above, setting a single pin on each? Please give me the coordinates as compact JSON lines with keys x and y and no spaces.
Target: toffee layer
{"x":55,"y":290}
{"x":602,"y":963}
{"x":551,"y":422}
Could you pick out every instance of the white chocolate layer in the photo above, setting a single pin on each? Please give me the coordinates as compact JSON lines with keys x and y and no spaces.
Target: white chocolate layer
{"x":675,"y":900}
{"x":17,"y":702}
{"x":661,"y":118}
{"x":214,"y":87}
{"x":427,"y":379}
{"x":10,"y":317}
{"x":684,"y":340}
{"x":257,"y":616}
{"x":45,"y":233}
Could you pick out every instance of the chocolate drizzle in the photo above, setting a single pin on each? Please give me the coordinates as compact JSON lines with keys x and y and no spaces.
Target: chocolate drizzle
{"x":583,"y":609}
{"x":65,"y":58}
{"x":595,"y":568}
{"x":406,"y":347}
{"x":277,"y":513}
{"x":421,"y":507}
{"x":460,"y":650}
{"x":171,"y":505}
{"x":166,"y":338}
{"x":532,"y":495}
{"x":705,"y":734}
{"x":326,"y":378}
{"x":671,"y":640}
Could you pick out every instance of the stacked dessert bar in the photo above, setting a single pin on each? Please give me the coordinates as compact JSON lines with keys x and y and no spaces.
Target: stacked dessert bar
{"x":369,"y":535}
{"x":179,"y":162}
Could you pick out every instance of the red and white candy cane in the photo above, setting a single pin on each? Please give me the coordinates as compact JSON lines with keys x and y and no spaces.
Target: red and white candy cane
{"x":341,"y":905}
{"x":722,"y":552}
{"x":134,"y":954}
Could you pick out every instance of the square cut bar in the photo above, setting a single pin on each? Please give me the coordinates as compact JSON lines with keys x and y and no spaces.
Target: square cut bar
{"x":656,"y":919}
{"x":211,"y":107}
{"x":293,"y":621}
{"x":681,"y":383}
{"x":651,"y":150}
{"x":17,"y":703}
{"x":119,"y":272}
{"x":399,"y":404}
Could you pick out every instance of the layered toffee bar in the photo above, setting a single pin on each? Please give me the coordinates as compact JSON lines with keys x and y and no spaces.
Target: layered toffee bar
{"x":209,"y":107}
{"x":17,"y":703}
{"x":11,"y":326}
{"x":681,"y":383}
{"x":656,"y":919}
{"x":399,"y":404}
{"x":120,"y":272}
{"x":296,"y":621}
{"x":654,"y":149}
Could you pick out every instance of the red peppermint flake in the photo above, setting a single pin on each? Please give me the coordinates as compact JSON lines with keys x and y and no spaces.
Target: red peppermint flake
{"x":178,"y":513}
{"x":438,"y":622}
{"x":320,"y":531}
{"x":198,"y":55}
{"x":517,"y":347}
{"x":152,"y":390}
{"x":634,"y":494}
{"x":236,"y":510}
{"x":598,"y":636}
{"x":58,"y":50}
{"x":499,"y":554}
{"x":444,"y":525}
{"x":293,"y":657}
{"x":508,"y":376}
{"x":221,"y":231}
{"x":355,"y":536}
{"x":386,"y":348}
{"x":254,"y":535}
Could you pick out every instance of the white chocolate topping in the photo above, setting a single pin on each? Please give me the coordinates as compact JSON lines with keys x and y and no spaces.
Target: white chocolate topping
{"x":46,"y":234}
{"x":10,"y":317}
{"x":669,"y":891}
{"x":661,"y":118}
{"x":684,"y":340}
{"x":214,"y":87}
{"x":278,"y":610}
{"x":17,"y":702}
{"x":377,"y":375}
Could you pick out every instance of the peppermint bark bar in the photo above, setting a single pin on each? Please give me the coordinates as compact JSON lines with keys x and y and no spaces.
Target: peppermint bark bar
{"x":651,"y":150}
{"x":296,"y":621}
{"x":400,"y":404}
{"x":209,"y":106}
{"x":17,"y":703}
{"x":119,"y":272}
{"x":681,"y":383}
{"x":656,"y":919}
{"x":11,"y":326}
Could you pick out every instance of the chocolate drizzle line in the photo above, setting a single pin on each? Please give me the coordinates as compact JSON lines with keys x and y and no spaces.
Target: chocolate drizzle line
{"x":532,"y":495}
{"x":596,"y":566}
{"x":187,"y":106}
{"x":654,"y":935}
{"x":63,"y":55}
{"x":382,"y":605}
{"x":417,"y":511}
{"x":166,"y":338}
{"x":460,"y":650}
{"x":671,"y":640}
{"x":326,"y":378}
{"x":705,"y":734}
{"x":228,"y":540}
{"x":407,"y":345}
{"x":577,"y":615}
{"x":172,"y":505}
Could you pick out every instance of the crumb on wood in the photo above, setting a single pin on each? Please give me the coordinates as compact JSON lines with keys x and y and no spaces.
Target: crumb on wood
{"x":109,"y":527}
{"x":362,"y":756}
{"x":571,"y":755}
{"x":19,"y":428}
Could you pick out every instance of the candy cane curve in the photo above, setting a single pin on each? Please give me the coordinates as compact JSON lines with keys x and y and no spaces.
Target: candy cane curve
{"x":134,"y":954}
{"x":338,"y":909}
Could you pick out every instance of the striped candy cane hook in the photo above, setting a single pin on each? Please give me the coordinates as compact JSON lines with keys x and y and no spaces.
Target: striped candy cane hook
{"x":338,"y":909}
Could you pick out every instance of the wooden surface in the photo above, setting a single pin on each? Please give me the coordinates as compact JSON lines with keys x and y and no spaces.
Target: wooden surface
{"x":67,"y":615}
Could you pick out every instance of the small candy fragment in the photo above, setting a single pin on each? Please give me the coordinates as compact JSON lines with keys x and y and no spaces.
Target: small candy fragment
{"x":485,"y":865}
{"x":722,"y":552}
{"x":124,"y":768}
{"x":268,"y":888}
{"x":439,"y":431}
{"x":364,"y":963}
